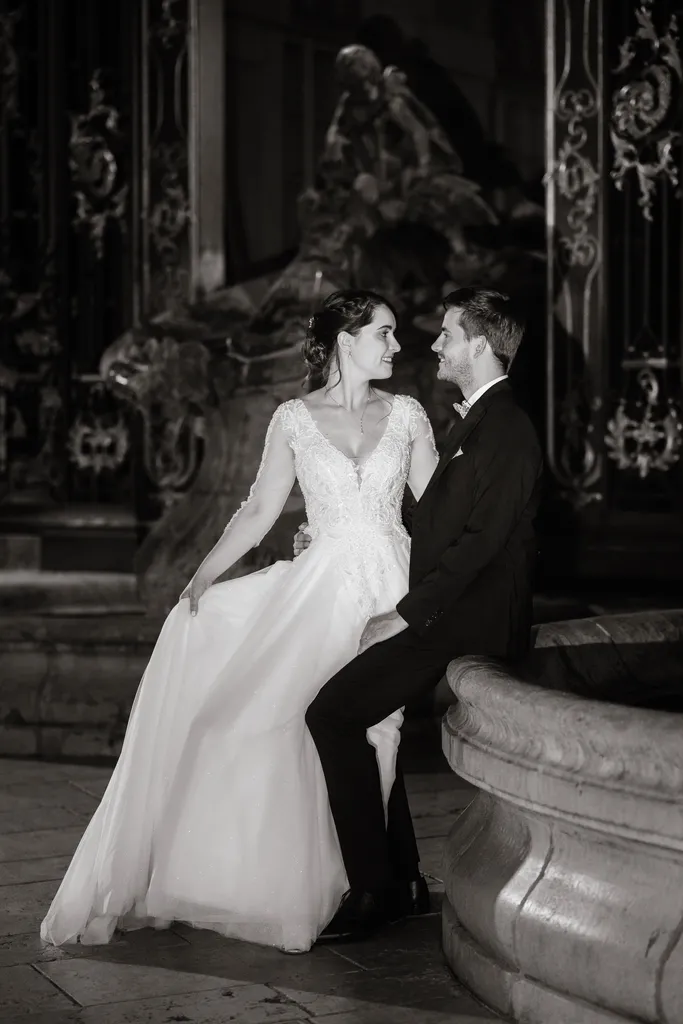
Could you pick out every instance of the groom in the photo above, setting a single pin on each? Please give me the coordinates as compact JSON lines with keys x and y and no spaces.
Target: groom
{"x":471,"y":576}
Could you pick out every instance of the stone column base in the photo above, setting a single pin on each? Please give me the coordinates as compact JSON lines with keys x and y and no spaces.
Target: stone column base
{"x":521,"y":998}
{"x":558,"y":924}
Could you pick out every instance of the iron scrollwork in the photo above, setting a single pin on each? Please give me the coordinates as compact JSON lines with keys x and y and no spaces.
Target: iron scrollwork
{"x":31,"y":406}
{"x":577,"y":178}
{"x":98,"y":445}
{"x":579,"y":460}
{"x":29,"y":319}
{"x":573,"y":179}
{"x":9,"y":63}
{"x":644,"y":129}
{"x":650,"y":440}
{"x":170,"y":25}
{"x":169,"y":220}
{"x":94,"y":167}
{"x":166,"y":238}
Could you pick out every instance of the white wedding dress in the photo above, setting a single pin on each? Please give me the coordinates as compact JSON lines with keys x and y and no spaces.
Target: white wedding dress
{"x":217,"y":812}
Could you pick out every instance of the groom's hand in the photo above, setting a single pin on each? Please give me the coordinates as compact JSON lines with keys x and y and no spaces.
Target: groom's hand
{"x":381,"y":628}
{"x":302,"y":539}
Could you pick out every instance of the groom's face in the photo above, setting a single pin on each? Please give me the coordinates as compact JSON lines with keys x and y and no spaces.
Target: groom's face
{"x":453,"y":351}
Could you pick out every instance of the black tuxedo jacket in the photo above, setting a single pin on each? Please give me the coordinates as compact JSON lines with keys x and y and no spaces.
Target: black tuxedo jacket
{"x":473,"y":540}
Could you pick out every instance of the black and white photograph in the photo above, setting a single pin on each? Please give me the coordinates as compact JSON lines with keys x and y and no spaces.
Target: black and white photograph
{"x":341,"y":511}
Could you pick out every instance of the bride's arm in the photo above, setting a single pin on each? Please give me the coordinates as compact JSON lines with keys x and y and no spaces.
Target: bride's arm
{"x":253,"y":520}
{"x":423,"y":454}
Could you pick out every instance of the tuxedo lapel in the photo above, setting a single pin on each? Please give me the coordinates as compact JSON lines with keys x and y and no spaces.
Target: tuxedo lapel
{"x":455,"y":439}
{"x":461,"y":431}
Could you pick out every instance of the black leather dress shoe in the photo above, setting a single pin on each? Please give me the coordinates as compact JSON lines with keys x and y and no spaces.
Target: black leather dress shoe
{"x":360,"y":915}
{"x":411,"y":899}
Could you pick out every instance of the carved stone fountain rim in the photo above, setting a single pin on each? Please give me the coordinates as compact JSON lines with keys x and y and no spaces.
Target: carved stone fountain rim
{"x":608,"y":767}
{"x":577,"y":733}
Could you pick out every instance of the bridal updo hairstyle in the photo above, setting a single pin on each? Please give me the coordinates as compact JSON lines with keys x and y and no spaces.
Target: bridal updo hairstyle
{"x":348,"y":310}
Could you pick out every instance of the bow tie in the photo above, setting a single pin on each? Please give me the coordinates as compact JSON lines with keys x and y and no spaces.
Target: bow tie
{"x":462,"y":409}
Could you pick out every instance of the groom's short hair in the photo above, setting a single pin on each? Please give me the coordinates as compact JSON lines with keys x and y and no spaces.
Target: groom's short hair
{"x":491,"y":315}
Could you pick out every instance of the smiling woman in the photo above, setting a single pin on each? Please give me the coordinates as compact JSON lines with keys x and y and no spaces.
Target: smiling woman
{"x":357,"y":323}
{"x":350,"y":343}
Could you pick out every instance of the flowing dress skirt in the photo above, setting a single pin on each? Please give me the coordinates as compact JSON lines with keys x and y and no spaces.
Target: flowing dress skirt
{"x":217,"y":812}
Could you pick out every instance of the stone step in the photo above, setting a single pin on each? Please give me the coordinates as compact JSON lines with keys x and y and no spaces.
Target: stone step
{"x":68,"y":681}
{"x":71,"y":537}
{"x":29,"y":591}
{"x":19,"y":551}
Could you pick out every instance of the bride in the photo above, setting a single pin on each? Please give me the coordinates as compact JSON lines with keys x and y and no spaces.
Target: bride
{"x":217,"y":812}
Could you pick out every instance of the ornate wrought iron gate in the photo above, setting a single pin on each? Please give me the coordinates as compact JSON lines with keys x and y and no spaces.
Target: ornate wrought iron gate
{"x":65,"y":241}
{"x":615,"y":246}
{"x":94,"y":235}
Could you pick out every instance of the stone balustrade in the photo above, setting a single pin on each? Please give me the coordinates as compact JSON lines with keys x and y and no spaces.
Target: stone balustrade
{"x":564,"y":876}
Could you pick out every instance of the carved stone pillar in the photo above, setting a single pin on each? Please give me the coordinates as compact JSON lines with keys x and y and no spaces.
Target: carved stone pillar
{"x":178,"y":203}
{"x":181,"y":164}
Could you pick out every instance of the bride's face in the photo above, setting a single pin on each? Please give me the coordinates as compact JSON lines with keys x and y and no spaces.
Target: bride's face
{"x":371,"y":352}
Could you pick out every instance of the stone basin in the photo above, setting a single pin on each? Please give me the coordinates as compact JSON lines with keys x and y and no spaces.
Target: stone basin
{"x":564,"y":876}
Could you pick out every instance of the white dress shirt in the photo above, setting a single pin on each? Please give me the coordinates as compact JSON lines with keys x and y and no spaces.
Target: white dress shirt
{"x":462,"y":408}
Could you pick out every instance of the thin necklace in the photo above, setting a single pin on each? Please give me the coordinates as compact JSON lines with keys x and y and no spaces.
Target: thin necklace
{"x":347,"y":410}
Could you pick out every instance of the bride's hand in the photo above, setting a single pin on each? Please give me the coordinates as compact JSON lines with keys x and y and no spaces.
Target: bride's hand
{"x":194,"y":590}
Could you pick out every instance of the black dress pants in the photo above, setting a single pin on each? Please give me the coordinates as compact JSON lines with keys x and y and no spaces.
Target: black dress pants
{"x":386,"y":677}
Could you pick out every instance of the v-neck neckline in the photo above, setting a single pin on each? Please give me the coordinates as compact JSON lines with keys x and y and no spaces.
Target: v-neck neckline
{"x":352,"y":459}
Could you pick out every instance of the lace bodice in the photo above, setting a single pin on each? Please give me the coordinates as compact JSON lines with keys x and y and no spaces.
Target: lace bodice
{"x":341,"y":495}
{"x":355,"y":505}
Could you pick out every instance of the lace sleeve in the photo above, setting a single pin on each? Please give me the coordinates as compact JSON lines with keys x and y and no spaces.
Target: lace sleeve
{"x":423,"y":454}
{"x":256,"y":515}
{"x":419,"y":425}
{"x":275,"y":477}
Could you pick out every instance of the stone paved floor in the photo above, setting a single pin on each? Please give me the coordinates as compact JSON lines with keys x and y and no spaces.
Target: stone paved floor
{"x":197,"y":977}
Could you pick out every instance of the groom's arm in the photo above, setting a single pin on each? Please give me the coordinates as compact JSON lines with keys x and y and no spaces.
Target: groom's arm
{"x":505,"y":480}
